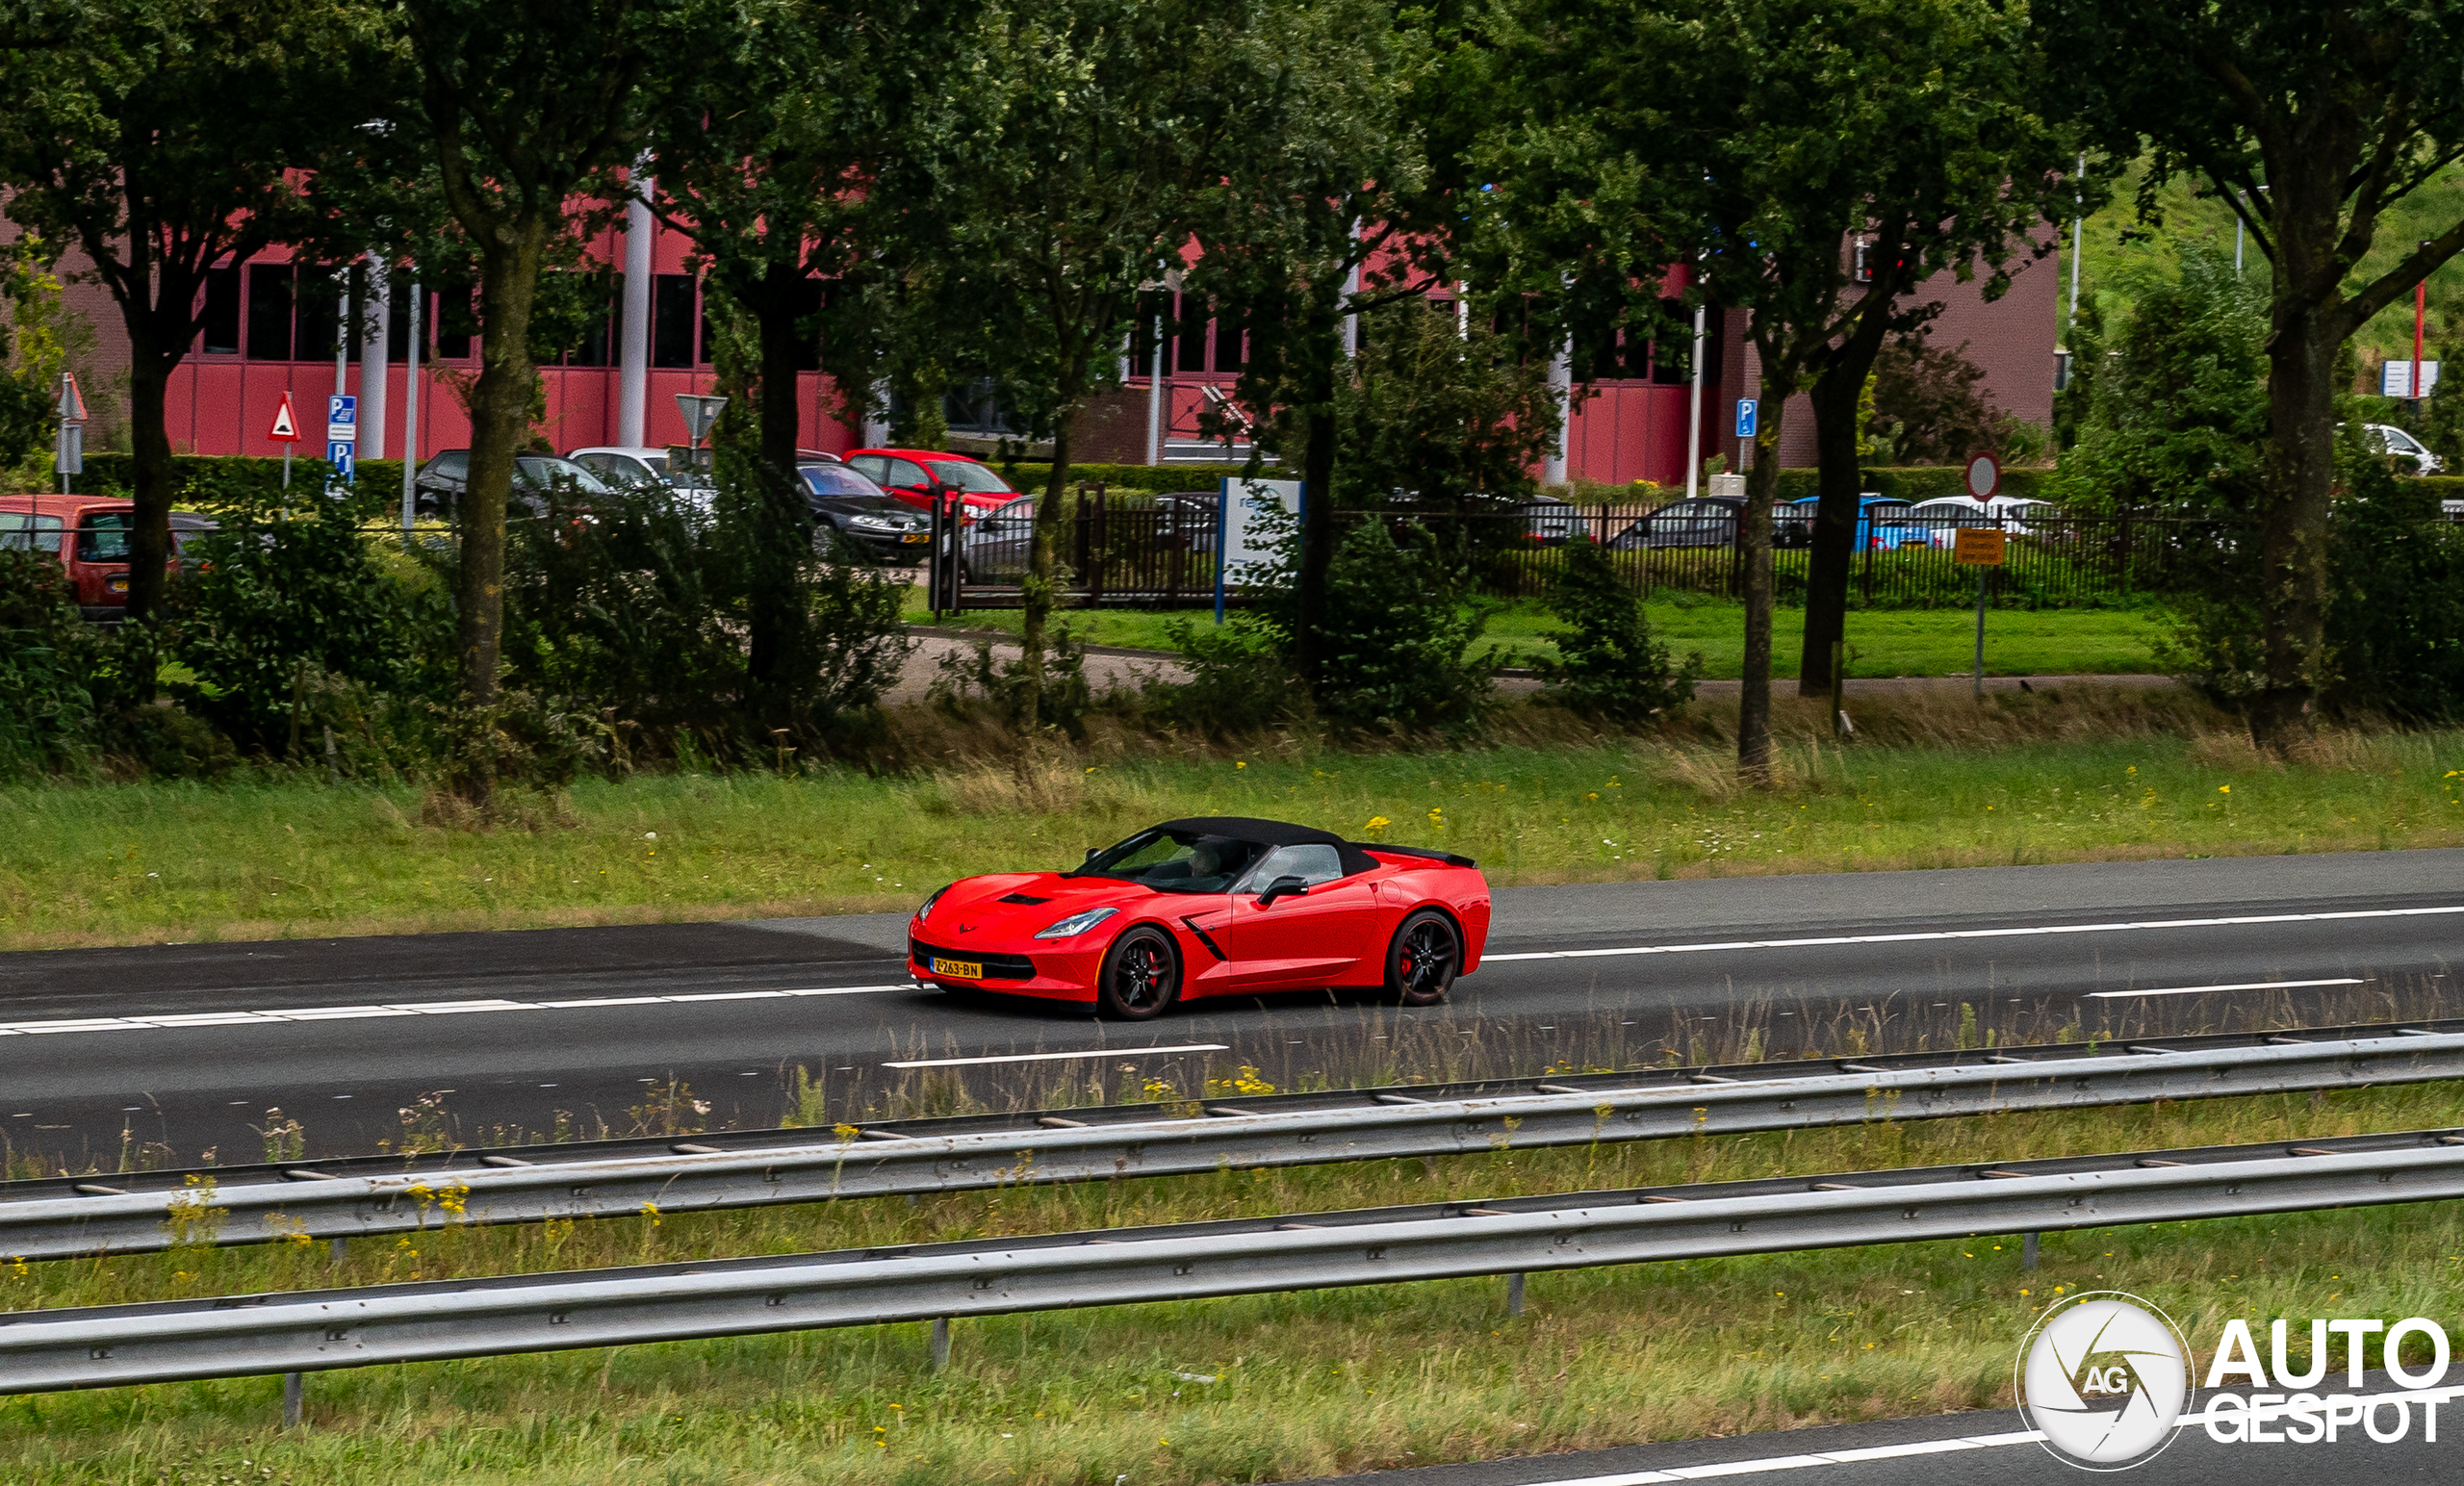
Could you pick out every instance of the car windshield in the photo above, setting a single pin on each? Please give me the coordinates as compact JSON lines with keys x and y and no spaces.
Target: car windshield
{"x":1175,"y":861}
{"x":834,"y":479}
{"x":974,"y":478}
{"x":19,"y":531}
{"x":537,"y":469}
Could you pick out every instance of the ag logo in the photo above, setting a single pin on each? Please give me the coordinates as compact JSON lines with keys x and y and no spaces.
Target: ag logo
{"x":2104,"y":1375}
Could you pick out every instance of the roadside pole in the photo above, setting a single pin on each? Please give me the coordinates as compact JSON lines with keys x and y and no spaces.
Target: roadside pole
{"x":285,"y":432}
{"x":411,"y":414}
{"x":68,"y":449}
{"x":1982,"y":547}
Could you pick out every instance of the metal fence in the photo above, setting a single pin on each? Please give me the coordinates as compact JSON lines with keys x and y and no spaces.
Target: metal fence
{"x":299,"y":1332}
{"x":1134,"y":549}
{"x":69,"y":1217}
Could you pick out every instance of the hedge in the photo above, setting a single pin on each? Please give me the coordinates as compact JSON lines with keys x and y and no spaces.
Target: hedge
{"x":116,"y":471}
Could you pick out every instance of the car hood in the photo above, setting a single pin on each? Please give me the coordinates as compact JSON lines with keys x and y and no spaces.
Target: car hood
{"x":974,"y":906}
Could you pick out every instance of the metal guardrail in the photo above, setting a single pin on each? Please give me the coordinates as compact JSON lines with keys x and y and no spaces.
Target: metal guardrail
{"x":292,"y":1333}
{"x":94,"y":1217}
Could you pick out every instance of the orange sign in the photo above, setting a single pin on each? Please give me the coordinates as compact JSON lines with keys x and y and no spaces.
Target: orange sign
{"x":1974,"y":547}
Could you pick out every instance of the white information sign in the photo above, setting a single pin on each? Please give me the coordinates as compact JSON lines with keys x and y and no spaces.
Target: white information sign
{"x":1243,"y":522}
{"x":2396,"y":379}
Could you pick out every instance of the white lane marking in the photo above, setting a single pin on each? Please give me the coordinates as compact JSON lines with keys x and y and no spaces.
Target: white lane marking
{"x":1835,"y":1457}
{"x":179,"y":1020}
{"x":1969,"y":934}
{"x":2201,"y":991}
{"x":1093,"y":1052}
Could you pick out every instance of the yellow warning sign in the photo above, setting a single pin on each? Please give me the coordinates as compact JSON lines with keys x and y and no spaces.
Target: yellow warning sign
{"x":1974,"y":547}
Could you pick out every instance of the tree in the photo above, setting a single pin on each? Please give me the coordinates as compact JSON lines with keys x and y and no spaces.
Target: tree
{"x":1090,"y":128}
{"x":526,"y":108}
{"x":2311,"y":121}
{"x":767,"y":164}
{"x":164,"y":141}
{"x":1753,"y":139}
{"x":1326,"y":215}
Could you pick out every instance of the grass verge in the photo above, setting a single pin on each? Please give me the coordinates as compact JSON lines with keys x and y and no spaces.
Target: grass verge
{"x":1262,"y":1388}
{"x":1881,"y":641}
{"x":2078,"y":774}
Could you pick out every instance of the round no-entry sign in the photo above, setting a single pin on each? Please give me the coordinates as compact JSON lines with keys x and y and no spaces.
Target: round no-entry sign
{"x":1984,"y":475}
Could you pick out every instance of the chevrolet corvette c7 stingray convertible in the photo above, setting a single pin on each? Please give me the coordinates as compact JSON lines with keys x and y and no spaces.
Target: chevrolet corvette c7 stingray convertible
{"x":1209,"y":907}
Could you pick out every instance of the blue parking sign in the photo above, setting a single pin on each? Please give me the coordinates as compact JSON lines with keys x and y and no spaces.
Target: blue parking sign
{"x":1745,"y":411}
{"x":340,"y":456}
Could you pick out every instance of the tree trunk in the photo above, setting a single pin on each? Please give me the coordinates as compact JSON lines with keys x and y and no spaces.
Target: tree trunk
{"x":1753,"y":537}
{"x":499,"y":419}
{"x":1043,"y":565}
{"x":1317,"y":502}
{"x":785,"y":533}
{"x":2293,"y":536}
{"x":1835,"y":397}
{"x":155,"y":479}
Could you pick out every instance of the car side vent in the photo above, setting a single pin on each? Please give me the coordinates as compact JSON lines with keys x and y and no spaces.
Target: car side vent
{"x":1022,"y":898}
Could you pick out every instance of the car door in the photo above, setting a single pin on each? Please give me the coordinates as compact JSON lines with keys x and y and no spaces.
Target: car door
{"x":1315,"y":938}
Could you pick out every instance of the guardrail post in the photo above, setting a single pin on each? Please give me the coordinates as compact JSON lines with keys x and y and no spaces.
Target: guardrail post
{"x":295,"y":1390}
{"x":2028,"y":1252}
{"x":334,"y":1250}
{"x":1514,"y":1294}
{"x":940,"y":1344}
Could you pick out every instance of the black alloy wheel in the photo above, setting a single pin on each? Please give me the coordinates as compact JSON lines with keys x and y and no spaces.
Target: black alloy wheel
{"x":1142,"y":976}
{"x":1421,"y":961}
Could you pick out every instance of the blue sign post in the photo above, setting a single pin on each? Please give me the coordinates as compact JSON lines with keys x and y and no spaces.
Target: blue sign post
{"x":341,"y":436}
{"x":1745,"y":419}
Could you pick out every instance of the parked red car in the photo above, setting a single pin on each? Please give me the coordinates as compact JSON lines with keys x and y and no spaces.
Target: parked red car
{"x":919,"y":476}
{"x":89,"y":535}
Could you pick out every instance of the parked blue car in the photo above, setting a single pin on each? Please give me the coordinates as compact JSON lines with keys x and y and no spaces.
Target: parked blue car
{"x":1882,"y":521}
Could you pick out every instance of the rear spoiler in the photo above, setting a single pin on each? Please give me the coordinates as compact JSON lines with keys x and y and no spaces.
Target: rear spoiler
{"x":1423,"y":853}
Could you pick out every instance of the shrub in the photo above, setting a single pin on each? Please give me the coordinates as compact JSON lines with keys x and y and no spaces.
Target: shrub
{"x":1240,"y":677}
{"x":1396,"y":650}
{"x":1610,"y":666}
{"x":48,"y":706}
{"x":2395,"y":600}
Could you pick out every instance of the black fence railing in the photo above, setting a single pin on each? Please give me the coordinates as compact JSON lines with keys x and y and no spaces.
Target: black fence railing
{"x":1159,"y":551}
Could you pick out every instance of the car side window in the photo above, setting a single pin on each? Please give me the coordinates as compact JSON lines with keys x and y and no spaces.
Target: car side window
{"x":103,"y":538}
{"x":874,"y":467}
{"x":1313,"y":864}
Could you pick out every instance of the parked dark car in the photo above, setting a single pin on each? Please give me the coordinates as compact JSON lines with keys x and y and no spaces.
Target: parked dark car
{"x":441,"y":483}
{"x":1706,"y":521}
{"x":848,"y":504}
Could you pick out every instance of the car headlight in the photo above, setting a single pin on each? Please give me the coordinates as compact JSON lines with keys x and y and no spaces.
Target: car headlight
{"x":926,"y":911}
{"x":872,"y":523}
{"x":1077,"y":924}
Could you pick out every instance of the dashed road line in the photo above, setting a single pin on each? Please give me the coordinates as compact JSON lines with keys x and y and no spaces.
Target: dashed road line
{"x":184,"y":1020}
{"x":2201,"y":990}
{"x":1093,"y":1052}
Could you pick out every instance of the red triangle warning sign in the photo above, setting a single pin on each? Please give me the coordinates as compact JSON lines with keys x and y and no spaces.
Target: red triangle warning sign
{"x":285,"y":424}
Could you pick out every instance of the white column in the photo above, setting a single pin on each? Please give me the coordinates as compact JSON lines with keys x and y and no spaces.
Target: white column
{"x":1694,"y":409}
{"x":1561,"y":376}
{"x":375,"y":329}
{"x":1155,"y":398}
{"x":411,"y":374}
{"x":634,"y":329}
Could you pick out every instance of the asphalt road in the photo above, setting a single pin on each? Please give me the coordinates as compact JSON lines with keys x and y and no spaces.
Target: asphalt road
{"x":1987,"y":1446}
{"x":158,"y":1054}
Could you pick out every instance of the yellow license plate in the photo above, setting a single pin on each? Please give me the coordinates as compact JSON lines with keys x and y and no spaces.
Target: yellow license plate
{"x":958,"y":969}
{"x":914,"y":537}
{"x":118,"y":585}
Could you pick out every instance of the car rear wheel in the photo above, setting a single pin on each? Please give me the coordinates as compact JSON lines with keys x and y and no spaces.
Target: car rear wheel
{"x":1423,"y":960}
{"x":1141,"y":975}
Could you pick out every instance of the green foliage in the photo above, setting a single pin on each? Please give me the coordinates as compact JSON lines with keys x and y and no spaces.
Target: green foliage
{"x":1436,"y":416}
{"x":1928,"y":405}
{"x":1609,"y":665}
{"x":1396,"y":647}
{"x":284,"y":598}
{"x":2395,"y":600}
{"x":1239,"y":676}
{"x":47,"y":712}
{"x":2172,"y":413}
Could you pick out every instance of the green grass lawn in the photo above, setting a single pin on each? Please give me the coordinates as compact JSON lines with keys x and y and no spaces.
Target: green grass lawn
{"x":273,"y":857}
{"x":1881,"y":641}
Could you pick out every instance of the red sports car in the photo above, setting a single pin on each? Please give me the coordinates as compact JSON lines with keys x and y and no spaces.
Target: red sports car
{"x":1219,"y":906}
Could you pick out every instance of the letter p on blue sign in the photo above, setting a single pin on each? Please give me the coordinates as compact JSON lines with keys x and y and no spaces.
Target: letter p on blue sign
{"x":1745,"y":419}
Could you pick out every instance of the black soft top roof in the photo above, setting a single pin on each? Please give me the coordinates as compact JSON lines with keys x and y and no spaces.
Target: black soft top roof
{"x":1277,"y":833}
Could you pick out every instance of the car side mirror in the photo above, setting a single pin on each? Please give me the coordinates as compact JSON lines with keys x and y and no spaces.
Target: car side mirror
{"x":1283,"y":887}
{"x":1091,"y":850}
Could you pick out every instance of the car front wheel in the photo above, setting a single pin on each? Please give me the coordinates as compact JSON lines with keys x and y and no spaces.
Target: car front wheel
{"x":1141,"y":975}
{"x":1423,"y":960}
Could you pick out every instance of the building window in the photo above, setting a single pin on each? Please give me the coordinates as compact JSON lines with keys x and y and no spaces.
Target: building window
{"x":269,"y":311}
{"x":319,"y":315}
{"x":673,"y":321}
{"x":456,"y":322}
{"x":219,"y":321}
